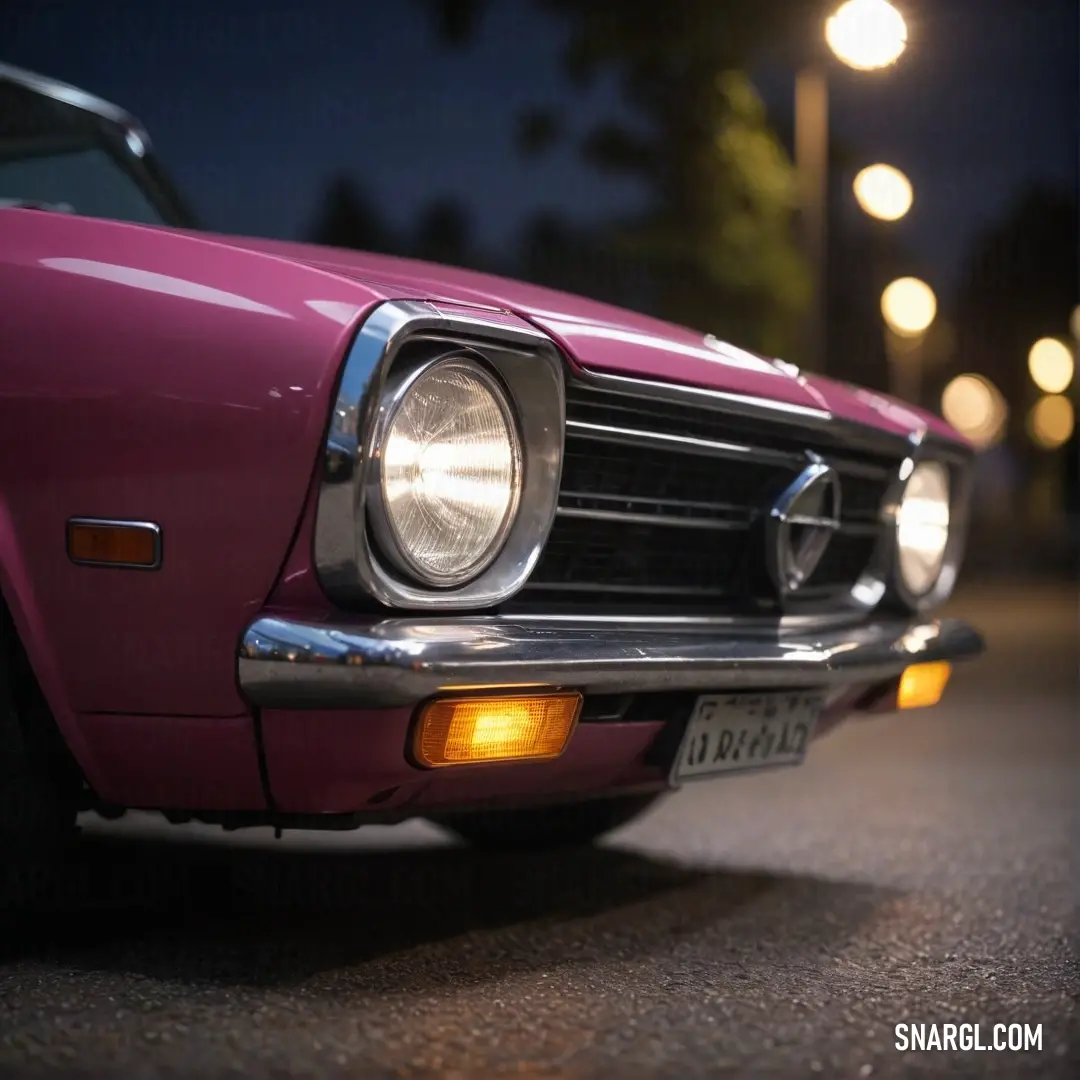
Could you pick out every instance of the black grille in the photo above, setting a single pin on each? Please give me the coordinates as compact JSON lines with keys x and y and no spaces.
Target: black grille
{"x":677,"y":527}
{"x":586,"y":404}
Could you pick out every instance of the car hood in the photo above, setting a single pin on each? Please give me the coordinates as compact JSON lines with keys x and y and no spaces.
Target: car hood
{"x":601,"y":337}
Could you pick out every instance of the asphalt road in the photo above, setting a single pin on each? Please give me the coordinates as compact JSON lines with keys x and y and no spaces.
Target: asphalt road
{"x":920,"y":868}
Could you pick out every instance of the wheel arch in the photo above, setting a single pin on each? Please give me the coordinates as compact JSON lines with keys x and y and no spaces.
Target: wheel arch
{"x":46,"y":719}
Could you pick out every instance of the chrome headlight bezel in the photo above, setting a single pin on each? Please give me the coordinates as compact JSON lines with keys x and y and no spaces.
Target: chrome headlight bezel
{"x":354,"y":552}
{"x":956,"y":463}
{"x":400,"y":385}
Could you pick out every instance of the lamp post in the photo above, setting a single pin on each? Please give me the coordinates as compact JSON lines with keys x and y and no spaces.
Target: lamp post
{"x":909,"y":307}
{"x":976,"y":408}
{"x":883,"y":192}
{"x":866,"y":35}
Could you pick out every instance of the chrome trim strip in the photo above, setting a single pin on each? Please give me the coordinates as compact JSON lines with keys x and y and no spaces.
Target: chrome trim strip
{"x":669,"y":520}
{"x":118,"y":523}
{"x":800,"y":416}
{"x":80,"y":99}
{"x":289,"y":664}
{"x":733,"y":451}
{"x":674,"y":521}
{"x":652,"y":500}
{"x":721,"y":400}
{"x":751,"y":625}
{"x":687,"y":443}
{"x":347,"y":562}
{"x":624,"y":590}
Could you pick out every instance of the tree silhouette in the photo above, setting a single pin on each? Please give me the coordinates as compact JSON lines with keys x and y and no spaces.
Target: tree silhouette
{"x":347,"y":218}
{"x":562,"y":255}
{"x":1021,"y":282}
{"x":443,"y":234}
{"x":717,"y":237}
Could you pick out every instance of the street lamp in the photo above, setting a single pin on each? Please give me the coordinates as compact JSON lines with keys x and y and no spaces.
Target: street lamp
{"x":909,"y":307}
{"x":1051,"y":421}
{"x":975,"y":407}
{"x":1050,"y":365}
{"x":865,"y":35}
{"x":883,"y":192}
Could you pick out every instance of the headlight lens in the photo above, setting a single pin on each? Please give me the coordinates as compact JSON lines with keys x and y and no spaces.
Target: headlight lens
{"x":922,"y":527}
{"x":451,"y":473}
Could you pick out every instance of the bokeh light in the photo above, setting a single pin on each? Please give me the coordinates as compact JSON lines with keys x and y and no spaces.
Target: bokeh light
{"x":1074,"y":323}
{"x":1051,"y":421}
{"x":866,"y":34}
{"x":909,"y":306}
{"x":1051,"y":365}
{"x":976,"y":408}
{"x":884,"y":192}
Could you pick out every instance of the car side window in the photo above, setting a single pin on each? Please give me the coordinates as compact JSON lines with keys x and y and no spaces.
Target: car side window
{"x":85,"y":182}
{"x":55,"y":155}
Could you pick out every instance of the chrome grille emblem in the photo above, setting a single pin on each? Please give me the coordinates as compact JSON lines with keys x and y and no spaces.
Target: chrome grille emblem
{"x":801,"y":524}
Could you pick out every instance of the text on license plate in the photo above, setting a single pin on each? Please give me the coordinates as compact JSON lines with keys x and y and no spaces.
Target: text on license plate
{"x":733,"y":732}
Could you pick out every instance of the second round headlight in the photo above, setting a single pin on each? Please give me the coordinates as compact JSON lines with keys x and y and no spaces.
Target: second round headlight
{"x":922,"y":527}
{"x":450,"y":474}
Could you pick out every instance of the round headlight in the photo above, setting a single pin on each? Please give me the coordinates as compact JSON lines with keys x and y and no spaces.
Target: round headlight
{"x":922,"y":527}
{"x":450,"y":473}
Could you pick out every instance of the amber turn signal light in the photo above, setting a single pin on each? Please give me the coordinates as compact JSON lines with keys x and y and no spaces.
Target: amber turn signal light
{"x":135,"y":544}
{"x":923,"y":684}
{"x":467,"y":730}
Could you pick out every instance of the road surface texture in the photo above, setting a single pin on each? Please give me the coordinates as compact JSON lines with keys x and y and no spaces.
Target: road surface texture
{"x":920,"y":868}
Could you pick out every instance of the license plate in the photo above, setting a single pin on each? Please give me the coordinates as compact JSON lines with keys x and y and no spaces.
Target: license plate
{"x":739,"y":732}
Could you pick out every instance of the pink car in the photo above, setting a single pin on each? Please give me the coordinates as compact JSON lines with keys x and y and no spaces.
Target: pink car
{"x":311,"y":538}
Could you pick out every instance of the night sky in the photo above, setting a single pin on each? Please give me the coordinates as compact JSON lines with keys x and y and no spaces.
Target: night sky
{"x":253,"y":105}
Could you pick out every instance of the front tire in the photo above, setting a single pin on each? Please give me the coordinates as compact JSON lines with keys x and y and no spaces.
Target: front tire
{"x":546,"y":828}
{"x":39,"y":783}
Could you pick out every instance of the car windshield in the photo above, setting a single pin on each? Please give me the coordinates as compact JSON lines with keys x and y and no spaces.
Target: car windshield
{"x":56,"y":156}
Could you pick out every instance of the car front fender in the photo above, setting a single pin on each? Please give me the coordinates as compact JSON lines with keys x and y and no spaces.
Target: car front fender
{"x":163,"y":377}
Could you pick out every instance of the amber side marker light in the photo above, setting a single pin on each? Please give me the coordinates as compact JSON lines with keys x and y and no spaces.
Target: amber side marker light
{"x":923,"y":684}
{"x":467,"y":730}
{"x":132,"y":544}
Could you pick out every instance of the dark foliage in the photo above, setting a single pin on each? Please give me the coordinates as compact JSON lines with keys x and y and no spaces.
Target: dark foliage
{"x":1021,"y":282}
{"x":346,"y":218}
{"x":716,"y":242}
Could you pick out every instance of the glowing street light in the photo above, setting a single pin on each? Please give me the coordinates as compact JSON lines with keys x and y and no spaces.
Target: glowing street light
{"x":884,"y":192}
{"x":1051,"y":366}
{"x":1051,"y":421}
{"x":909,"y":307}
{"x":864,"y":34}
{"x":867,"y":34}
{"x":975,"y":407}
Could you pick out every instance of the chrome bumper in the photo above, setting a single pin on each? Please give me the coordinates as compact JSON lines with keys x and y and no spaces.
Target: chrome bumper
{"x":291,"y":664}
